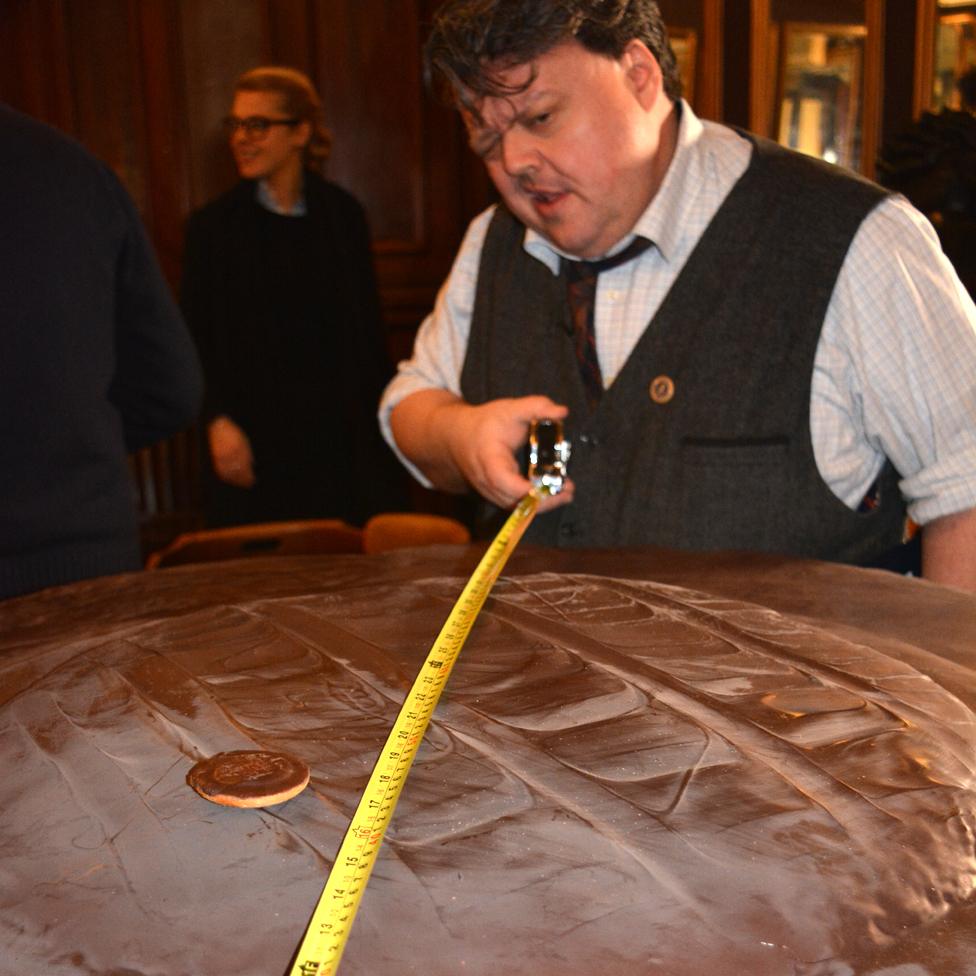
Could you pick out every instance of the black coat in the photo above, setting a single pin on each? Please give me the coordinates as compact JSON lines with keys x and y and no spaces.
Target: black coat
{"x":286,"y":315}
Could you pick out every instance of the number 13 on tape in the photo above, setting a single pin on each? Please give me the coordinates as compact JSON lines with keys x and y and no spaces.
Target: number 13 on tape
{"x":326,"y":936}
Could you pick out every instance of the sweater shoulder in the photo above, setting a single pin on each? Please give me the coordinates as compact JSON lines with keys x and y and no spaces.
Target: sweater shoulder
{"x":236,"y":199}
{"x":324,"y":193}
{"x":36,"y":155}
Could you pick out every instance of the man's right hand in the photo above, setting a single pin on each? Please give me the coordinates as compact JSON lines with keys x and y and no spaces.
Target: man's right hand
{"x":230,"y":452}
{"x":458,"y":446}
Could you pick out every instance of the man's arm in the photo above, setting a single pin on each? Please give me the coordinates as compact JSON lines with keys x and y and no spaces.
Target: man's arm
{"x":949,"y":550}
{"x":158,"y":383}
{"x":455,"y":446}
{"x":460,"y":447}
{"x":896,"y":374}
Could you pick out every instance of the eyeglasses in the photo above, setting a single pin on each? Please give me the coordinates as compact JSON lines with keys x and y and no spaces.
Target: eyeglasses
{"x":254,"y":126}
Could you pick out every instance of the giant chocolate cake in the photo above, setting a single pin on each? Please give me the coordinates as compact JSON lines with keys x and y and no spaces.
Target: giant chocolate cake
{"x":644,"y":763}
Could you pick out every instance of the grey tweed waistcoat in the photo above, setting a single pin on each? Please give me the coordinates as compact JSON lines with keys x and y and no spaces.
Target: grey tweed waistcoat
{"x":727,"y":462}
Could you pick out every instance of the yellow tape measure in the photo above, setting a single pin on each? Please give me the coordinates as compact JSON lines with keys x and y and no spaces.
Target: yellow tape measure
{"x":328,"y":931}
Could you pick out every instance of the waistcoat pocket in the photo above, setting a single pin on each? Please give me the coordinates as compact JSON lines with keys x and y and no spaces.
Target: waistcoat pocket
{"x":736,"y":492}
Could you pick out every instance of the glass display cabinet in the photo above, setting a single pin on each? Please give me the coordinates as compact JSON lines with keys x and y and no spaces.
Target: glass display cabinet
{"x":946,"y":51}
{"x":816,"y":77}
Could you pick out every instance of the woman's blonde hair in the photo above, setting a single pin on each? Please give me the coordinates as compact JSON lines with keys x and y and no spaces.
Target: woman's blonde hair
{"x":299,"y":100}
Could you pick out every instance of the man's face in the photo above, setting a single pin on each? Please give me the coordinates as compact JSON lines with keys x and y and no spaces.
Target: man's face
{"x":576,"y":155}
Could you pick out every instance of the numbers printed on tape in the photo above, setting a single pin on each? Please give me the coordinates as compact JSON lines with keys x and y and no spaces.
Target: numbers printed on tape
{"x":328,"y":930}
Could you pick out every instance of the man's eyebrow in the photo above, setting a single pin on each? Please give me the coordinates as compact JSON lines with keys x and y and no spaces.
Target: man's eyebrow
{"x":482,"y":137}
{"x":482,"y":140}
{"x":531,"y":96}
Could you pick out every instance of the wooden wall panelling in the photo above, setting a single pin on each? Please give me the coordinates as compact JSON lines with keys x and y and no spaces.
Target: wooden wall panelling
{"x":710,"y":81}
{"x":98,"y":70}
{"x":164,"y":118}
{"x":369,"y":54}
{"x":874,"y":19}
{"x":291,"y":35}
{"x":34,"y":63}
{"x":762,"y":78}
{"x":900,"y":71}
{"x":736,"y":40}
{"x":705,"y":18}
{"x":395,"y":148}
{"x":105,"y":76}
{"x":924,"y":55}
{"x":220,"y":40}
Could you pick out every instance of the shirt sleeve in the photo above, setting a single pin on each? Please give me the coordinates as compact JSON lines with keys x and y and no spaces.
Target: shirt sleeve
{"x":442,"y":340}
{"x":895,"y":370}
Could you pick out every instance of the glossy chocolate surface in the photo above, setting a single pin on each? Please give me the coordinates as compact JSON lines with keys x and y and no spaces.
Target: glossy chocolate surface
{"x":644,"y":763}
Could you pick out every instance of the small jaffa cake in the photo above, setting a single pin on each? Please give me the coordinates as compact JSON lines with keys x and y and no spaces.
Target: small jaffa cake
{"x":249,"y":778}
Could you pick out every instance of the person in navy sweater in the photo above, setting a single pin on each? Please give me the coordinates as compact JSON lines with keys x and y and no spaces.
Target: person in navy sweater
{"x":96,"y":362}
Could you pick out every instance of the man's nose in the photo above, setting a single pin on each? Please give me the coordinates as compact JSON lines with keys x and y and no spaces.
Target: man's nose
{"x":519,"y":153}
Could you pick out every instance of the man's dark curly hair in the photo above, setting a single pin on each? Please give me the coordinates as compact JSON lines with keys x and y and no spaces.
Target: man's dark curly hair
{"x":471,"y":39}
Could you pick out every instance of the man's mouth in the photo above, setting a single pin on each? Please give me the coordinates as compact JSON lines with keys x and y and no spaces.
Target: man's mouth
{"x":544,"y":199}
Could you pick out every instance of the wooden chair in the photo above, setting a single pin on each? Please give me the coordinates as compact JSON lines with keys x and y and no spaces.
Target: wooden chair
{"x":166,"y":480}
{"x":269,"y":538}
{"x":398,"y":530}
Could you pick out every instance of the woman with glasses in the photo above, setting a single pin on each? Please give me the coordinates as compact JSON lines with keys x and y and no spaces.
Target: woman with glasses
{"x":279,"y":290}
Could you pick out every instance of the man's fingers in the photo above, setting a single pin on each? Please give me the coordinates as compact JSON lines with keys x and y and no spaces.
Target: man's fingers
{"x":540,"y":408}
{"x":501,"y":481}
{"x":486,"y":439}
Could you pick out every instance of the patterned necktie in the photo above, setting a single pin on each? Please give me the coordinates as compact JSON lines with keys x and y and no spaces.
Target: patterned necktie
{"x":581,"y":290}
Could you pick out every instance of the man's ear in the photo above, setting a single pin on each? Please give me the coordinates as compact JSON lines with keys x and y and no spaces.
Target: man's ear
{"x":642,"y":72}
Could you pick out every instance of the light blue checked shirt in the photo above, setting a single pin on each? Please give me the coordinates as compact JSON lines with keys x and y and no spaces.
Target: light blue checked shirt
{"x":895,"y":370}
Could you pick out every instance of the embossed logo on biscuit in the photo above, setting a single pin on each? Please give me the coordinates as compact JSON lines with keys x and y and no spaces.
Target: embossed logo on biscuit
{"x":250,"y":766}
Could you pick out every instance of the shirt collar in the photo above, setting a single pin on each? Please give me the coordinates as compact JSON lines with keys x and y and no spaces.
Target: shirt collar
{"x":267,"y":200}
{"x":662,"y":221}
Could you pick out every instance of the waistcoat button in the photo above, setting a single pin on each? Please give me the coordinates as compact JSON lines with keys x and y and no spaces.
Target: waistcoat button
{"x":661,"y":389}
